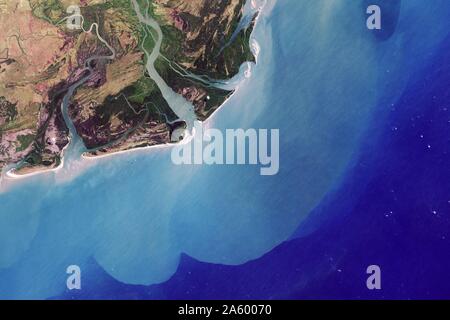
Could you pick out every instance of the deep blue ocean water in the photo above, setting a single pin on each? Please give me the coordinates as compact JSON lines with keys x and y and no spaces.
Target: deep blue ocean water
{"x":364,"y":122}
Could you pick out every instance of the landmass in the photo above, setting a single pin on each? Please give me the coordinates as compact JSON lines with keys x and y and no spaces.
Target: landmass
{"x":93,"y":81}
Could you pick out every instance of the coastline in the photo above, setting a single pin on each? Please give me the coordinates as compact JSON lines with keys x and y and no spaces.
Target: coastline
{"x":38,"y":170}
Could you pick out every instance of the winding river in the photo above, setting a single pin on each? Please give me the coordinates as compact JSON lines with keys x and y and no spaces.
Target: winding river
{"x":76,"y":146}
{"x":182,"y":108}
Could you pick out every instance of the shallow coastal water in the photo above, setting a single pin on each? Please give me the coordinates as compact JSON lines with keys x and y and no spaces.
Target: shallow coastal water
{"x":319,"y":80}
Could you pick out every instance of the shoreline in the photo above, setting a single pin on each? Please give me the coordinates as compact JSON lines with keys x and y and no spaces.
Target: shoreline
{"x":86,"y":156}
{"x":33,"y":172}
